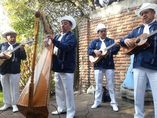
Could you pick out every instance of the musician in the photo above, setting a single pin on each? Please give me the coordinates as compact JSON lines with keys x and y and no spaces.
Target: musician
{"x":104,"y":66}
{"x":64,"y":66}
{"x":10,"y":70}
{"x":145,"y":61}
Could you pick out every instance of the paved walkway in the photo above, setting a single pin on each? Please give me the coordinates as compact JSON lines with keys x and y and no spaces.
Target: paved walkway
{"x":83,"y":110}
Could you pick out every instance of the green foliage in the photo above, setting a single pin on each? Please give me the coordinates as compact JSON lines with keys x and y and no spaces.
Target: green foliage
{"x":58,"y":8}
{"x":21,"y":12}
{"x":21,"y":16}
{"x":1,"y":40}
{"x":1,"y":98}
{"x":26,"y":66}
{"x":52,"y":84}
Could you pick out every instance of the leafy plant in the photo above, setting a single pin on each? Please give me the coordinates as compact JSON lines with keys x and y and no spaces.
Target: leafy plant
{"x":1,"y":98}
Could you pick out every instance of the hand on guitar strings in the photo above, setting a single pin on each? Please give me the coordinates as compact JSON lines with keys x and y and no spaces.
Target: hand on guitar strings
{"x":129,"y":42}
{"x":98,"y":53}
{"x":140,"y":40}
{"x":5,"y":55}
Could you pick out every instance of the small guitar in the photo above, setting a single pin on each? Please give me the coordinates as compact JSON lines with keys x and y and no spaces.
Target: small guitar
{"x":8,"y":53}
{"x":104,"y":49}
{"x":141,"y":42}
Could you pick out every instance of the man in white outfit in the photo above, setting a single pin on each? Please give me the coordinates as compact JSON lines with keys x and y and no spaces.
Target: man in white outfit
{"x":104,"y":65}
{"x":145,"y":59}
{"x":64,"y":62}
{"x":10,"y":70}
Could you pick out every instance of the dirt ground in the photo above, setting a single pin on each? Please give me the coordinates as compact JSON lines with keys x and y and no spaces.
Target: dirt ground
{"x":83,"y":110}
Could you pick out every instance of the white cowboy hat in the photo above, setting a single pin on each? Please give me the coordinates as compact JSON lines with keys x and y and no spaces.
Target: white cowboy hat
{"x":69,"y":18}
{"x":146,"y":6}
{"x":10,"y":31}
{"x":100,"y":26}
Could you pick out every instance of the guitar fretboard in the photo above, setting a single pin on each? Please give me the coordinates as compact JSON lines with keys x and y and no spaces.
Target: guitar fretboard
{"x":152,"y":33}
{"x":17,"y":47}
{"x":107,"y":48}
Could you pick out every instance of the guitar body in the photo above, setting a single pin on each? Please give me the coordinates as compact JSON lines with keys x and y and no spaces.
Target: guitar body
{"x":93,"y":59}
{"x":135,"y":49}
{"x":7,"y":55}
{"x":2,"y":61}
{"x":141,"y":42}
{"x":103,"y":50}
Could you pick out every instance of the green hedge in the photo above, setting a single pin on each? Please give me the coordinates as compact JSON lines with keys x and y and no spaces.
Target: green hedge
{"x":1,"y":98}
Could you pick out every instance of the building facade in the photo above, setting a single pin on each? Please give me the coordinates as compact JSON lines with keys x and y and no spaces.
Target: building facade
{"x":120,"y":18}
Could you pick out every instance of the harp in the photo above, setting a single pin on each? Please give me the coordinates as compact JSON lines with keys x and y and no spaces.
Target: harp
{"x":33,"y":100}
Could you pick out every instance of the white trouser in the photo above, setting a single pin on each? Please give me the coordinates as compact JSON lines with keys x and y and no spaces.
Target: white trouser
{"x":65,"y":93}
{"x":98,"y":75}
{"x":141,"y":77}
{"x":10,"y":86}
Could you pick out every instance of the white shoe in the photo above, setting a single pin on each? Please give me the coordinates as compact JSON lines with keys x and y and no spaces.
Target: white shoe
{"x":15,"y":108}
{"x":5,"y":107}
{"x":95,"y":106}
{"x":114,"y":107}
{"x":58,"y":112}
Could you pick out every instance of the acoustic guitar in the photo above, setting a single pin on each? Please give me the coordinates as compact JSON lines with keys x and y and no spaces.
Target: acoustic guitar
{"x":141,"y":42}
{"x":103,"y":49}
{"x":8,"y":53}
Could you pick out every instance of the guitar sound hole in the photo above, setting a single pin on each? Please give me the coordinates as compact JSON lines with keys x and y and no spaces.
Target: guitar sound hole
{"x":138,"y":40}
